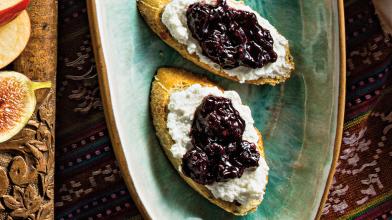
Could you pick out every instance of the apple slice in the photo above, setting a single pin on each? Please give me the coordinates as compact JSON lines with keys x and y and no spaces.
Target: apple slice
{"x":13,"y":38}
{"x":9,"y":9}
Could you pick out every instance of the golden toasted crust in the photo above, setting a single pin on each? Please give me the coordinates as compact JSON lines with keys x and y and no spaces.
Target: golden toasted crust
{"x":167,"y":81}
{"x":151,"y":10}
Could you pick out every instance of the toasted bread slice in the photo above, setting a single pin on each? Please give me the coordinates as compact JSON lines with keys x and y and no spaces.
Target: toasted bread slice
{"x":167,"y":81}
{"x":152,"y":10}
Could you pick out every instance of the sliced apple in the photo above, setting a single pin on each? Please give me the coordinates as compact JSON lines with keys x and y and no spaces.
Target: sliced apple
{"x":13,"y":38}
{"x":10,"y":9}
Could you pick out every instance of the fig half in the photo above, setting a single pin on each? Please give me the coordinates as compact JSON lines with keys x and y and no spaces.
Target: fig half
{"x":17,"y":102}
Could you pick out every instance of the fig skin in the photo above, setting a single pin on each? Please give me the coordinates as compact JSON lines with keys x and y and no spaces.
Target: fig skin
{"x":17,"y":102}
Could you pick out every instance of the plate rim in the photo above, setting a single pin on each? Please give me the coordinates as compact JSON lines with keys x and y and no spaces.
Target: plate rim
{"x":341,"y":107}
{"x":114,"y":135}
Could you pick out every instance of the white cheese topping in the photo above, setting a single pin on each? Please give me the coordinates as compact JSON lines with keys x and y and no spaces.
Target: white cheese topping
{"x":174,"y":18}
{"x":249,"y":187}
{"x":182,"y":107}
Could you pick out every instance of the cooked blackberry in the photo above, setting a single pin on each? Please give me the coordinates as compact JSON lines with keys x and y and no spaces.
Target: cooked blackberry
{"x":230,"y":37}
{"x":218,"y":152}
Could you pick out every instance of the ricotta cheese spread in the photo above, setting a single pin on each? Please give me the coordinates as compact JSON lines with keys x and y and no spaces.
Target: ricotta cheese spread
{"x":174,"y":18}
{"x":182,"y":106}
{"x":251,"y":185}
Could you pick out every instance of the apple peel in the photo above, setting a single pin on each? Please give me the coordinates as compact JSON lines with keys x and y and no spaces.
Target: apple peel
{"x":10,"y":9}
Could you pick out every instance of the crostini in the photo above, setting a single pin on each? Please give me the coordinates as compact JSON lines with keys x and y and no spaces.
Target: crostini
{"x":226,"y":38}
{"x":209,"y":137}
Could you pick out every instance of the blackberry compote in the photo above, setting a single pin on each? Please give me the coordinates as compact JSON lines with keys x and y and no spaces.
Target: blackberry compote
{"x":218,"y":152}
{"x":230,"y":37}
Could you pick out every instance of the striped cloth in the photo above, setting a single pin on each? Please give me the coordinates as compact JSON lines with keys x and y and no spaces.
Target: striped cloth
{"x":88,"y":180}
{"x":362,"y":185}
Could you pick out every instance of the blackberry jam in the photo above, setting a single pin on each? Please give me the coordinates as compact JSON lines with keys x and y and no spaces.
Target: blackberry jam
{"x":230,"y":37}
{"x":218,"y":152}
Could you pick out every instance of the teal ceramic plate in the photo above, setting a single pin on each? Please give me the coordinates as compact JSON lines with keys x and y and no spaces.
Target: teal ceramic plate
{"x":300,"y":119}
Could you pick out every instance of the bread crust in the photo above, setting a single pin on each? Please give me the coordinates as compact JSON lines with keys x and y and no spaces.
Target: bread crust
{"x":167,"y":81}
{"x":151,"y":11}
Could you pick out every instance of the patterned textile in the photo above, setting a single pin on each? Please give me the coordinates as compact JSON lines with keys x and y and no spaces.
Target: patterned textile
{"x":362,"y":185}
{"x":88,"y":180}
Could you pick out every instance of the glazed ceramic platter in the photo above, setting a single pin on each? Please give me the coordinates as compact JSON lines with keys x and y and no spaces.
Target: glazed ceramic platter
{"x":301,"y":119}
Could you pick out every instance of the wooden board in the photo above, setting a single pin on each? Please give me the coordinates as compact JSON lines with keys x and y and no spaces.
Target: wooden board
{"x":27,"y":161}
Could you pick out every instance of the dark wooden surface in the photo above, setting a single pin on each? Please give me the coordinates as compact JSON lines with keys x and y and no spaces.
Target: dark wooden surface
{"x":27,"y":161}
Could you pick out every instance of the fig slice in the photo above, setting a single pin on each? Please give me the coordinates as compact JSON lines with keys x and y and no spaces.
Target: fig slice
{"x":17,"y":102}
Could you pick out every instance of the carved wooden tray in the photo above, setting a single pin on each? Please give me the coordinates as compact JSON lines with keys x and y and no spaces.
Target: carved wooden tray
{"x":27,"y":161}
